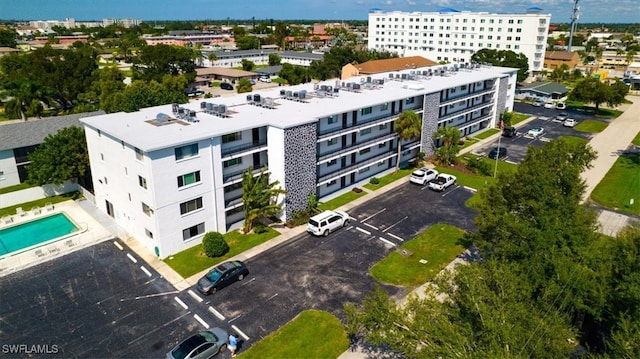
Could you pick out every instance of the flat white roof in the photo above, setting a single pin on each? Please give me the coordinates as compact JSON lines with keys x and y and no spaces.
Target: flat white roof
{"x":134,"y":128}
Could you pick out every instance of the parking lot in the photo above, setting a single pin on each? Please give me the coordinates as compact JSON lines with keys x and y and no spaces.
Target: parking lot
{"x":546,"y":118}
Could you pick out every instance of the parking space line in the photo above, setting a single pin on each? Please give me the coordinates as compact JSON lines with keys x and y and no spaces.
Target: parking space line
{"x":387,"y":241}
{"x":395,"y":224}
{"x":216,"y":313}
{"x":375,"y":214}
{"x":396,"y":237}
{"x":195,"y":296}
{"x":205,"y":324}
{"x":131,"y":257}
{"x":368,"y":225}
{"x":158,"y":328}
{"x":146,"y":271}
{"x":120,"y":247}
{"x":363,"y":231}
{"x":181,"y":303}
{"x":472,"y":189}
{"x":246,"y":338}
{"x":450,"y":191}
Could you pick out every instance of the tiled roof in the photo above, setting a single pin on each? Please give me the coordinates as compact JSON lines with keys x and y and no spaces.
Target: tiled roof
{"x":18,"y":134}
{"x":559,"y":55}
{"x":394,"y":64}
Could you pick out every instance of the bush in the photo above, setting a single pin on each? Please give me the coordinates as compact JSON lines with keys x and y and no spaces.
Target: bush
{"x":214,"y":244}
{"x":260,"y":228}
{"x":374,"y":180}
{"x":478,"y":166}
{"x":357,"y":190}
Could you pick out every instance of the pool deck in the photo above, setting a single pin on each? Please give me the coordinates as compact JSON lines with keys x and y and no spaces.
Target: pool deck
{"x":92,"y":232}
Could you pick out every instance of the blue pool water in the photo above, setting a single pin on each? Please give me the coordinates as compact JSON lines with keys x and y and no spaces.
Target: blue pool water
{"x":34,"y":232}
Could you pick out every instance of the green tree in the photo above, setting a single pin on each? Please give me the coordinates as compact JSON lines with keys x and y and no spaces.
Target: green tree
{"x":631,"y":54}
{"x":247,"y":42}
{"x":212,"y":57}
{"x":294,"y":74}
{"x":506,"y":58}
{"x":8,"y":38}
{"x":506,"y":117}
{"x":274,"y":59}
{"x":448,"y":138}
{"x":140,"y":94}
{"x":259,"y":197}
{"x":59,"y":158}
{"x":248,"y":65}
{"x":214,"y":245}
{"x":244,"y":85}
{"x":153,"y":62}
{"x":408,"y":126}
{"x":592,"y":90}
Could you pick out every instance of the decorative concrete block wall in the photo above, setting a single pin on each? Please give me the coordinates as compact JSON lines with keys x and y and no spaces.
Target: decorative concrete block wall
{"x":299,"y":167}
{"x":501,"y":100}
{"x":430,"y":122}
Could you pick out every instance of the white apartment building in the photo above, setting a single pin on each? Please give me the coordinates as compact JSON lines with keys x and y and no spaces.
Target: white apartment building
{"x":169,"y":174}
{"x":453,"y":36}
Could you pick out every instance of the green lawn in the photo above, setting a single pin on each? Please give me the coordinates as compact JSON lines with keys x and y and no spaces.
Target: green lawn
{"x":487,"y":133}
{"x":602,"y":112}
{"x":518,"y":117}
{"x":574,"y":139}
{"x":14,"y":188}
{"x":591,"y":126}
{"x":312,"y":334}
{"x":636,"y":140}
{"x":438,"y":245}
{"x":469,"y":142}
{"x":392,"y":177}
{"x":192,"y":260}
{"x":620,"y":186}
{"x":11,"y":210}
{"x":341,"y":200}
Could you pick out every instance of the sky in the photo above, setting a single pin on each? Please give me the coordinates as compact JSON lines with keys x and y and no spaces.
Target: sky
{"x":602,"y":11}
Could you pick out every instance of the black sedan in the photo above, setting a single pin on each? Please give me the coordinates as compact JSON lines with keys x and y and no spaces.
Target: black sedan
{"x":221,"y":276}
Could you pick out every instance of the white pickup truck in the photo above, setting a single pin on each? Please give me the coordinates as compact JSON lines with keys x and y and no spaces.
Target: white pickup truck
{"x":442,"y":182}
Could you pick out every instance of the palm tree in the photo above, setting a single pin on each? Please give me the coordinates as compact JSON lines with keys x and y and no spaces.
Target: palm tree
{"x":631,"y":54}
{"x":408,"y":126}
{"x":259,"y":197}
{"x":449,"y":137}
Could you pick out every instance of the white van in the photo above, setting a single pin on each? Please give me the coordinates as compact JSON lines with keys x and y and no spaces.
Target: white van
{"x":327,"y":222}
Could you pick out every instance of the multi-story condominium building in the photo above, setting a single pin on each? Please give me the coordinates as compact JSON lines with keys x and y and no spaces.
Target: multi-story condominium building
{"x":168,"y":174}
{"x":453,"y":36}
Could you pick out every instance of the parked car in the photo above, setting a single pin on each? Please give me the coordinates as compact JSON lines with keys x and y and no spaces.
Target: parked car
{"x":562,"y":116}
{"x":509,"y":131}
{"x":221,"y":276}
{"x":194,"y":92}
{"x":327,"y":222}
{"x":561,"y":106}
{"x":442,"y":182}
{"x":538,"y":103}
{"x":549,"y":105}
{"x":265,"y":79}
{"x":569,"y":122}
{"x":535,"y":132}
{"x":423,"y":176}
{"x":202,"y":345}
{"x":497,"y":152}
{"x":226,"y":86}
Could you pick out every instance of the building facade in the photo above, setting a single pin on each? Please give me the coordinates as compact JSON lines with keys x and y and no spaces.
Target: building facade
{"x":453,"y":36}
{"x":171,"y":173}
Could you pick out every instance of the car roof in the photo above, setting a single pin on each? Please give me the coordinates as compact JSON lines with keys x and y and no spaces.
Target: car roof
{"x":183,"y":349}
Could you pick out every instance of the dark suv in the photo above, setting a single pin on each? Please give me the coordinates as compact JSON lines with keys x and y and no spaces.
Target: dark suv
{"x":226,"y":86}
{"x":497,"y":152}
{"x":509,"y":131}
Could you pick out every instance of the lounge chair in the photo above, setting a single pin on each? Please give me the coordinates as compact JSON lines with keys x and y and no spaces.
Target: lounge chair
{"x":53,"y":250}
{"x":70,"y":243}
{"x":6,"y":219}
{"x":48,"y":206}
{"x":35,"y":210}
{"x":40,"y":253}
{"x":20,"y":212}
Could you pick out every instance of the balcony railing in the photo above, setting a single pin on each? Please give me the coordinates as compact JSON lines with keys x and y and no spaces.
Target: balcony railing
{"x":364,"y":123}
{"x":353,"y":166}
{"x":474,"y":121}
{"x":356,"y":146}
{"x":241,"y":148}
{"x":233,"y":200}
{"x":236,"y":175}
{"x":473,"y":94}
{"x":465,"y":111}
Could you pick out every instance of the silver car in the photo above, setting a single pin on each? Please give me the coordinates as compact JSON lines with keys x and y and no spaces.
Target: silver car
{"x":204,"y":344}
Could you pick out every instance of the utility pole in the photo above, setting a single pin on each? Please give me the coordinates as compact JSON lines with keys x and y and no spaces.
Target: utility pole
{"x":574,"y":22}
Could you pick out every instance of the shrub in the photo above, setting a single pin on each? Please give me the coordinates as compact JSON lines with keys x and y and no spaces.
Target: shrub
{"x":214,"y":244}
{"x":357,"y":190}
{"x":478,"y":166}
{"x":259,"y":228}
{"x":374,"y":180}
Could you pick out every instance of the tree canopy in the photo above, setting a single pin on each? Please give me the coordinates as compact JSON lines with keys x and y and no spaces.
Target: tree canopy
{"x":592,"y":90}
{"x":61,"y":157}
{"x":408,"y":126}
{"x":259,"y":197}
{"x":506,"y":58}
{"x":447,"y":137}
{"x":153,"y":62}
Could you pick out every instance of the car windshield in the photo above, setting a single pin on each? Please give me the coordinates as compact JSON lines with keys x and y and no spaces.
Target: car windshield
{"x":418,"y":173}
{"x":314,"y":223}
{"x":182,"y":350}
{"x":214,"y":275}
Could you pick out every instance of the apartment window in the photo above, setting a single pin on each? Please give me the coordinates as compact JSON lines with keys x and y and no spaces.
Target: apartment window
{"x":382,"y":126}
{"x":382,"y":145}
{"x":510,"y":21}
{"x":384,"y":106}
{"x":190,"y":206}
{"x":191,"y":232}
{"x":231,"y":137}
{"x":233,"y":187}
{"x":232,"y":162}
{"x":518,"y":30}
{"x":185,"y":152}
{"x":139,"y":155}
{"x":142,"y":182}
{"x":363,"y":170}
{"x":365,"y":131}
{"x":102,"y":157}
{"x":188,"y":179}
{"x":366,"y":111}
{"x":126,"y":171}
{"x":520,"y":21}
{"x":410,"y":100}
{"x":332,"y":162}
{"x":129,"y":196}
{"x":333,"y":119}
{"x":332,"y":141}
{"x":146,"y":209}
{"x":331,"y":183}
{"x":365,"y":150}
{"x":517,"y":38}
{"x":148,"y":233}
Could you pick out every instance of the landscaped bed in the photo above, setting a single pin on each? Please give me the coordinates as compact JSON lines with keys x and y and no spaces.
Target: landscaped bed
{"x":436,"y":247}
{"x":312,"y":334}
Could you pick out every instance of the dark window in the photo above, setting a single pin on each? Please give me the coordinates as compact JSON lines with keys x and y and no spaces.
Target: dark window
{"x":192,"y":231}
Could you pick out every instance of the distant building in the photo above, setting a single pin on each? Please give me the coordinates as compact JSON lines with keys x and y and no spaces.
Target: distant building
{"x":204,"y":76}
{"x":453,"y":36}
{"x":555,"y":59}
{"x":7,"y":50}
{"x":188,"y":39}
{"x":312,"y":41}
{"x":385,"y":65}
{"x":259,"y":57}
{"x":542,"y":90}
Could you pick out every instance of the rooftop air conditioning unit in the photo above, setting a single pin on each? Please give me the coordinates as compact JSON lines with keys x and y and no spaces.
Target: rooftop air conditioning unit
{"x":302,"y":94}
{"x":174,"y":107}
{"x":256,"y":98}
{"x":203,"y":105}
{"x":282,"y":92}
{"x":249,"y":98}
{"x":368,"y":79}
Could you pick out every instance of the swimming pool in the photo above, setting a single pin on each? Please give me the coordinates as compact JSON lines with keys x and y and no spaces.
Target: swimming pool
{"x":35,"y":232}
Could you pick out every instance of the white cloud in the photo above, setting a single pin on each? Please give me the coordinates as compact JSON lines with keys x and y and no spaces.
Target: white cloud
{"x":410,"y":2}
